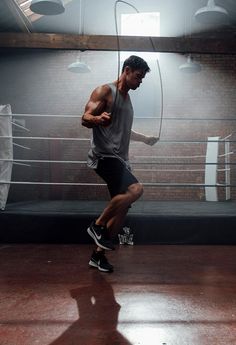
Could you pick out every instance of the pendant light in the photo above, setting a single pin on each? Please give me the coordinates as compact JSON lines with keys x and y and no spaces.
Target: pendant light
{"x":79,"y":66}
{"x":212,"y":14}
{"x":47,"y":7}
{"x":190,"y":66}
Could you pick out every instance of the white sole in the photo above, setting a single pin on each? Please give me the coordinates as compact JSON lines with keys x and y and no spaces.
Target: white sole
{"x":102,"y":270}
{"x":93,"y":264}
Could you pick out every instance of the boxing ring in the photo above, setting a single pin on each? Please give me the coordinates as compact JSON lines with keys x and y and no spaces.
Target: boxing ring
{"x":211,"y":162}
{"x":212,"y":166}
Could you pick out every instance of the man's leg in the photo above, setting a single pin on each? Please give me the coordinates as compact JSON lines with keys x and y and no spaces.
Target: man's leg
{"x":114,"y":214}
{"x":116,"y":223}
{"x":98,"y":258}
{"x":119,"y":204}
{"x":124,"y":190}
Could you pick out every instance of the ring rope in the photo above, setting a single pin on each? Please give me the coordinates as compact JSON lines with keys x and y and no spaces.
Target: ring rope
{"x":88,"y":139}
{"x":84,"y":162}
{"x":136,"y":117}
{"x":160,"y":184}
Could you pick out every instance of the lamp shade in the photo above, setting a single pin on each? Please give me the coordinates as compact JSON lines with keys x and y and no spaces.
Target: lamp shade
{"x":47,"y":7}
{"x":212,"y":14}
{"x":79,"y":67}
{"x":190,"y":66}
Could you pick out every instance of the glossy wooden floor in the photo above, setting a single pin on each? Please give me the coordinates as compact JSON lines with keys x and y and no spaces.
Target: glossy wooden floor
{"x":174,"y":295}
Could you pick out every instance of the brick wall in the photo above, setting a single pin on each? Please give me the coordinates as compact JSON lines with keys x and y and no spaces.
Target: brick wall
{"x":38,"y":82}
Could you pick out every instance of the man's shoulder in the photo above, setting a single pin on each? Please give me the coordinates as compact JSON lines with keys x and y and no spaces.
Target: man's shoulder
{"x":107,"y":87}
{"x":104,"y":90}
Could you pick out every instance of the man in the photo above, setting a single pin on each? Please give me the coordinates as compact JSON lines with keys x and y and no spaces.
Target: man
{"x":109,"y":113}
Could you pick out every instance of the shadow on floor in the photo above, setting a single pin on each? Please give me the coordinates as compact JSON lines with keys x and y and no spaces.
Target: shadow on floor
{"x":98,"y":316}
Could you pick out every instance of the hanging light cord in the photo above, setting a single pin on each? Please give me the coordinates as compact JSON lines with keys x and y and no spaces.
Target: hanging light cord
{"x":161,"y":92}
{"x":158,"y":65}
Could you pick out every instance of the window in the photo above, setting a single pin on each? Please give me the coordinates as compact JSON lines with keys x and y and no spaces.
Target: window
{"x":140,"y":24}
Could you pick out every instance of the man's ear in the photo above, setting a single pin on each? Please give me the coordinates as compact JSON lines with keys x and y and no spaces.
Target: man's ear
{"x":127,"y":69}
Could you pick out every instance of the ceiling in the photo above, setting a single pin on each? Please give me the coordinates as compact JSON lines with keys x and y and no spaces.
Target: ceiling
{"x":96,"y":17}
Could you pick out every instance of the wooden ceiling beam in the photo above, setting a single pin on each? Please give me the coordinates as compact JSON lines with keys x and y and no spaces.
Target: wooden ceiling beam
{"x":127,"y":43}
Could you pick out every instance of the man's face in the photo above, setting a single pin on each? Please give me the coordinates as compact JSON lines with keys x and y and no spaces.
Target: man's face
{"x":134,"y":78}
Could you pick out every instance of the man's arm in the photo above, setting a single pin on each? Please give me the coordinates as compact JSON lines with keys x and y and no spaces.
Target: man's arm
{"x":149,"y":140}
{"x":94,"y":114}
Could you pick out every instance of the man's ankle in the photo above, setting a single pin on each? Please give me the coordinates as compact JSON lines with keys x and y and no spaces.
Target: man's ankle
{"x":98,"y":223}
{"x":99,"y":250}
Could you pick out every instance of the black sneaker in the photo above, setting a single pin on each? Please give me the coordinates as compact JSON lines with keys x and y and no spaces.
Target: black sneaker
{"x":99,"y":261}
{"x":100,"y":235}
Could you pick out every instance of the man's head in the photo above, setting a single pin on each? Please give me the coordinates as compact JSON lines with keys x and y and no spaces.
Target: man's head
{"x":136,"y":63}
{"x":134,"y":69}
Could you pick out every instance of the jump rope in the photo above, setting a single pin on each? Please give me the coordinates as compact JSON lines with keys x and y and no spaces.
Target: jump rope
{"x":118,"y":66}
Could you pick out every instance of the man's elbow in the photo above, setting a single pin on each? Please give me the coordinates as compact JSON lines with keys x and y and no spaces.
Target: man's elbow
{"x":86,"y":123}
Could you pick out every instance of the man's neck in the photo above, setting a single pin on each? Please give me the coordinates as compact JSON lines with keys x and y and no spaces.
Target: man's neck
{"x":122,"y":86}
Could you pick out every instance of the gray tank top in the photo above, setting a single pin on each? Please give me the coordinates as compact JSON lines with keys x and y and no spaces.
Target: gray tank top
{"x":113,"y":140}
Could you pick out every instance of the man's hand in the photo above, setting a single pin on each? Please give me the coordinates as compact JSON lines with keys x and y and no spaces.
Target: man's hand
{"x":104,"y":119}
{"x":151,"y":140}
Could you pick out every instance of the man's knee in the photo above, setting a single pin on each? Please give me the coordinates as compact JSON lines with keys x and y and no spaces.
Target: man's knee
{"x":136,"y":190}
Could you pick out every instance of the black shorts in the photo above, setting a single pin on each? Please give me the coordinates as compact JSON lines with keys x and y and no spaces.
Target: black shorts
{"x":116,"y":175}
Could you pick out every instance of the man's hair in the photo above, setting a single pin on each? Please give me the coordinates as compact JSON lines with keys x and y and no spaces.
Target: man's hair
{"x":135,"y":63}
